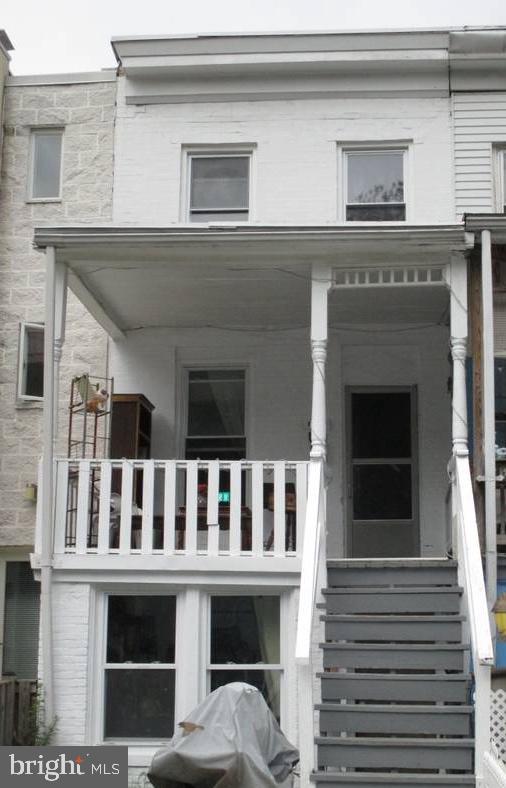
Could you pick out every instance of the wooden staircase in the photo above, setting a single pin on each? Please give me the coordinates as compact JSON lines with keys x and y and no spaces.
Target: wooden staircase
{"x":395,"y":694}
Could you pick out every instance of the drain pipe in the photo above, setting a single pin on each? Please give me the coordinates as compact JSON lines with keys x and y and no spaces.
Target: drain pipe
{"x":46,"y":541}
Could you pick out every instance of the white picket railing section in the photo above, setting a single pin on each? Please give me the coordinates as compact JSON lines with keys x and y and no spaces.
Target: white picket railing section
{"x":467,"y":547}
{"x":183,"y":507}
{"x":494,"y":772}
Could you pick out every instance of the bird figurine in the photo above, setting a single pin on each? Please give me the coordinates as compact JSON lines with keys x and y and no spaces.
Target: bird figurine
{"x":92,"y":396}
{"x":97,"y":401}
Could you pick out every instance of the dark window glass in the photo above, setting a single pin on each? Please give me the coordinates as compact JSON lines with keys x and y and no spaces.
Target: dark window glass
{"x":500,"y":402}
{"x":381,"y":425}
{"x":33,"y":362}
{"x":21,"y":621}
{"x":375,"y":186}
{"x":216,"y":415}
{"x":139,"y":703}
{"x":219,"y":188}
{"x":141,"y":629}
{"x":245,"y":630}
{"x":375,"y":213}
{"x":267,"y":681}
{"x":382,"y":492}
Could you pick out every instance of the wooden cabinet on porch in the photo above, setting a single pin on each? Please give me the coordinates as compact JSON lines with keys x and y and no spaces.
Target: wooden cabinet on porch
{"x":130,"y":436}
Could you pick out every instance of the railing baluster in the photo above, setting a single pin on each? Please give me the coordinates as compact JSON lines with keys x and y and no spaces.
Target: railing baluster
{"x":125,"y":527}
{"x":257,"y":508}
{"x":235,"y":508}
{"x":83,"y":508}
{"x":191,"y":507}
{"x":301,"y":498}
{"x":148,"y":491}
{"x":169,"y":508}
{"x":60,"y":508}
{"x":279,"y":509}
{"x":213,"y":488}
{"x":104,"y":514}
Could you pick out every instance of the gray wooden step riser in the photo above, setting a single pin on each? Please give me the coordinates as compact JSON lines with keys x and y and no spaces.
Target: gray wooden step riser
{"x":392,"y":630}
{"x":357,"y":780}
{"x":392,"y":603}
{"x":423,"y":755}
{"x":396,"y":658}
{"x":409,"y":690}
{"x":371,"y":722}
{"x":398,"y":576}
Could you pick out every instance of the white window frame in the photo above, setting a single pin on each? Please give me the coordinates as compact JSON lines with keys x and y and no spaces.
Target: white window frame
{"x":23,"y":347}
{"x":391,"y":146}
{"x":34,"y":132}
{"x":283,"y":639}
{"x":499,"y":163}
{"x":213,"y":152}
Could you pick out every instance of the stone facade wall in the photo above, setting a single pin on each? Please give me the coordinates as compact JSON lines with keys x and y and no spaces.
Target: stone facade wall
{"x":86,"y":111}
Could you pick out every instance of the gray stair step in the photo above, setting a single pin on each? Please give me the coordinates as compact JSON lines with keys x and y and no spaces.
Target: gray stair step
{"x":358,"y":780}
{"x":395,"y":753}
{"x":395,"y":687}
{"x":394,"y":656}
{"x":413,"y":599}
{"x":401,"y":572}
{"x":393,"y":628}
{"x":368,"y":719}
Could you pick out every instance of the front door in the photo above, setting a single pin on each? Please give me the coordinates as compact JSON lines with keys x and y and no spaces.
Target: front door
{"x":382,"y":472}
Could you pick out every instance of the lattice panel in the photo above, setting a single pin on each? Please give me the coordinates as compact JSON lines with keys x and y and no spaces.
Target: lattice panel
{"x":498,"y":721}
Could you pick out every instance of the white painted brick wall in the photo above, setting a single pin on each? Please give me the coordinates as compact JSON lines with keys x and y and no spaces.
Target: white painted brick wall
{"x":86,"y":111}
{"x":295,"y":175}
{"x":71,"y":602}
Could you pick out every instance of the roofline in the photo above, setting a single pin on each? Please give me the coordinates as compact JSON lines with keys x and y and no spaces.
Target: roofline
{"x":453,"y":235}
{"x":79,"y":77}
{"x":495,"y":222}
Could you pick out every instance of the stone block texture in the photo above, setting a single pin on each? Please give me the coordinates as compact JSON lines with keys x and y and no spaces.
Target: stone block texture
{"x":86,"y":112}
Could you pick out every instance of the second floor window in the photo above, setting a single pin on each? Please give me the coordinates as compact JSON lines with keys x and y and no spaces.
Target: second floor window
{"x":31,"y":361}
{"x":374,"y":185}
{"x":45,"y":164}
{"x":219,"y":188}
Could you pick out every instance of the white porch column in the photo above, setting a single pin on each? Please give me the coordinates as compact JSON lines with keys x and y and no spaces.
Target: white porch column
{"x":47,"y":488}
{"x":320,"y":285}
{"x":489,"y":418}
{"x":59,"y":335}
{"x":458,"y":346}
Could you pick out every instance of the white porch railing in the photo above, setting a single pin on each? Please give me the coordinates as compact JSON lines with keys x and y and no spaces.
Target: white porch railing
{"x":311,"y":574}
{"x":467,"y":547}
{"x":176,"y":507}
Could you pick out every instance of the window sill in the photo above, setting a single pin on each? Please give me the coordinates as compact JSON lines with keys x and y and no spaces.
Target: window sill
{"x":36,"y":200}
{"x":29,"y":403}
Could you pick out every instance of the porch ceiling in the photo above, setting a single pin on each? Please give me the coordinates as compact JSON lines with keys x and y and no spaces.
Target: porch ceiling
{"x":249,"y":277}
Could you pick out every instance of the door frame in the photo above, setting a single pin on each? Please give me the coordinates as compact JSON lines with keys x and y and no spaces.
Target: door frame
{"x":415,"y":460}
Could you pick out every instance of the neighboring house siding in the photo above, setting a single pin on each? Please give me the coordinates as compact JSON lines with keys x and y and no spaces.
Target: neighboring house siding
{"x":479,"y":124}
{"x":86,"y":111}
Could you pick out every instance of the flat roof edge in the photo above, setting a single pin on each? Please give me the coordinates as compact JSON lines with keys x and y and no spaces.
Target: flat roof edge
{"x":79,"y":77}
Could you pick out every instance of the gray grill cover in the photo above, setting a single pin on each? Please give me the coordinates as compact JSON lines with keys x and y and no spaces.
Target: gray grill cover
{"x":240,"y":745}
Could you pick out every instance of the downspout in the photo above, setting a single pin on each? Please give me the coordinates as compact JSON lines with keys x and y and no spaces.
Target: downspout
{"x":489,"y":420}
{"x":47,"y":491}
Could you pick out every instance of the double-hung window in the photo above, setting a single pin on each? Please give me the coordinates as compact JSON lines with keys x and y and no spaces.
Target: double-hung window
{"x":374,"y":185}
{"x":31,"y":362}
{"x":219,"y":187}
{"x":245,"y":644}
{"x":140,"y":671}
{"x":216,"y":414}
{"x":46,"y":146}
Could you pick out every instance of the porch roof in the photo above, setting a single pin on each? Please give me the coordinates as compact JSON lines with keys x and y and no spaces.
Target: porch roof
{"x":253,"y":276}
{"x":495,"y":222}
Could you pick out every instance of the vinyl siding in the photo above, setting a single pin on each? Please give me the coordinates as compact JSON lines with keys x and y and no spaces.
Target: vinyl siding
{"x":479,"y":122}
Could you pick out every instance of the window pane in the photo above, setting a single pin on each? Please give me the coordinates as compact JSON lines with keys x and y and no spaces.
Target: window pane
{"x":375,"y":213}
{"x":382,"y":492}
{"x":219,"y":216}
{"x":216,"y":406}
{"x":219,"y":182}
{"x":139,"y":704}
{"x":33,"y":376}
{"x":375,"y":177}
{"x":381,"y":425}
{"x":141,"y":629}
{"x":21,"y":623}
{"x":267,"y":681}
{"x":245,"y":629}
{"x":46,"y":165}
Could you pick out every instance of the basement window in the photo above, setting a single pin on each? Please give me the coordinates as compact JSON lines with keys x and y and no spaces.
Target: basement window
{"x":46,"y":146}
{"x":31,"y":362}
{"x":374,"y":185}
{"x":219,"y":187}
{"x":140,"y":671}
